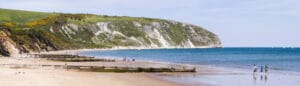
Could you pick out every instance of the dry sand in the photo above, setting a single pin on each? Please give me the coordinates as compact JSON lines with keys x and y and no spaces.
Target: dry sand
{"x":39,"y":76}
{"x":47,"y":77}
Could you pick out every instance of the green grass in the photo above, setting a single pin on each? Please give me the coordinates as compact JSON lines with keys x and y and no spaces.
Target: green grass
{"x":21,"y":17}
{"x":90,"y":19}
{"x":176,"y":33}
{"x":94,"y":19}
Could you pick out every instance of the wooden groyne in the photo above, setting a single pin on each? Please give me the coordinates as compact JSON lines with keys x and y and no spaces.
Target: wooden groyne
{"x":101,"y":68}
{"x":128,"y":69}
{"x":71,"y":58}
{"x":70,"y":63}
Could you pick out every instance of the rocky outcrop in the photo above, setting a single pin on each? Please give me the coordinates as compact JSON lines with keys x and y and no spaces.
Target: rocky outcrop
{"x":8,"y":47}
{"x":3,"y":51}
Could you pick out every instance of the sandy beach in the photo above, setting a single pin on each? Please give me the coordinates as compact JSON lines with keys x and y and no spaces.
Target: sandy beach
{"x":46,"y":77}
{"x":12,"y":71}
{"x":12,"y":75}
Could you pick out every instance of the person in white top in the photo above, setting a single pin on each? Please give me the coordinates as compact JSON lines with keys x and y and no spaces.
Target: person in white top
{"x":254,"y":68}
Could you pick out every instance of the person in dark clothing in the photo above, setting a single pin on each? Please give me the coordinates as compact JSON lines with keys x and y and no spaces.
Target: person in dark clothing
{"x":266,"y":68}
{"x":261,"y":69}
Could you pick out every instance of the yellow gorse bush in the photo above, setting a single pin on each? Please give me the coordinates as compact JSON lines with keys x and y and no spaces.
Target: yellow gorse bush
{"x":9,"y":24}
{"x":35,"y":23}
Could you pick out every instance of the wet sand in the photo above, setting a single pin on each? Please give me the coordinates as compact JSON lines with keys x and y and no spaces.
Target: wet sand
{"x":235,"y":77}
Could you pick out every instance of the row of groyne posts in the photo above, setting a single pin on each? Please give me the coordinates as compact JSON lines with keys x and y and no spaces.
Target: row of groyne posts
{"x":76,"y":58}
{"x":71,"y":58}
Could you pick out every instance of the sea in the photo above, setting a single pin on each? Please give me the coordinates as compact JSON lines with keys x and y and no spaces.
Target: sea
{"x":284,"y":62}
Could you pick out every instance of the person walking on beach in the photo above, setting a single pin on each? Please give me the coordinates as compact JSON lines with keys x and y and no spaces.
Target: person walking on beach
{"x":261,"y":69}
{"x":254,"y":68}
{"x":266,"y":68}
{"x":124,"y":59}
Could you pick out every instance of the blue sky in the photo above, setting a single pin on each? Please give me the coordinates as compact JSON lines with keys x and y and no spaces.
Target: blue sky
{"x":246,"y":23}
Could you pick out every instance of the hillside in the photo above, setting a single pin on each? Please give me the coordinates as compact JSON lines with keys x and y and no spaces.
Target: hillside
{"x":26,"y":31}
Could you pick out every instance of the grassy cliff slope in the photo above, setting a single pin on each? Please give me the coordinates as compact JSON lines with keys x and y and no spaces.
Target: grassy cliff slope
{"x":39,"y":31}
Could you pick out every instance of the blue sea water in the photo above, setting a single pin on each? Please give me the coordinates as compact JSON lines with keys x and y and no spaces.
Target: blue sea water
{"x":287,"y":59}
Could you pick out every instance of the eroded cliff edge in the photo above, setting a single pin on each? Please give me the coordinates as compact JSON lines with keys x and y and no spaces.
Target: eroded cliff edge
{"x":24,"y":31}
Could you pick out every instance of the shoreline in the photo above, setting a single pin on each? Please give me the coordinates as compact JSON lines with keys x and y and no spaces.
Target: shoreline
{"x":216,"y":72}
{"x":119,"y":48}
{"x":210,"y":74}
{"x":207,"y":75}
{"x":216,"y":68}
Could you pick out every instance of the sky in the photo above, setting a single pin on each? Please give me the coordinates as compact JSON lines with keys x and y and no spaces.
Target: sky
{"x":238,"y":23}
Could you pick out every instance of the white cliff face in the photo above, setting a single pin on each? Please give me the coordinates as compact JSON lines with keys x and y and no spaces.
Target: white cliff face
{"x":137,"y":24}
{"x":164,"y":43}
{"x":103,"y":26}
{"x":155,"y":35}
{"x":51,"y":29}
{"x":118,"y":33}
{"x":66,"y":30}
{"x":73,"y":27}
{"x":190,"y":44}
{"x":136,"y":40}
{"x":153,"y":45}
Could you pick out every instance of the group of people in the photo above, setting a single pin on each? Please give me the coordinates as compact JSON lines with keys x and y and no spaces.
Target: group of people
{"x":264,"y":68}
{"x":125,"y":59}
